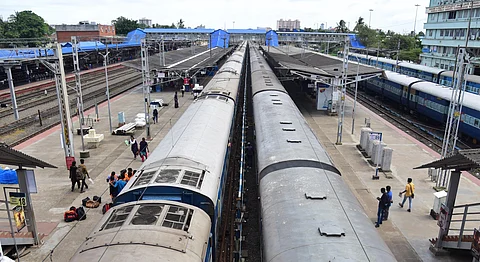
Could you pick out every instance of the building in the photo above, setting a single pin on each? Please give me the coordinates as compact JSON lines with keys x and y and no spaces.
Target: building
{"x":446,"y":29}
{"x":145,"y":21}
{"x":288,"y":25}
{"x":85,"y":32}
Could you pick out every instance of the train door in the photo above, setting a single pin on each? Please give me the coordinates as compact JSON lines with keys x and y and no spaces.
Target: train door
{"x":404,"y":97}
{"x":413,"y":101}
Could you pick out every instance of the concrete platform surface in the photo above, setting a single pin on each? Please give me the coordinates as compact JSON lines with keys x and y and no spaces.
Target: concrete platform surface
{"x":405,"y":233}
{"x":54,"y":196}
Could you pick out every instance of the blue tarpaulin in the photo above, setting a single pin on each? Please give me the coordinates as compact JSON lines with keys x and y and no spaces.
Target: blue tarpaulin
{"x":8,"y":176}
{"x":354,"y":42}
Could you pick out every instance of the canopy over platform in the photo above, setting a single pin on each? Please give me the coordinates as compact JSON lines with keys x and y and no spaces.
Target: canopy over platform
{"x":304,"y":61}
{"x":465,"y":160}
{"x":10,"y":156}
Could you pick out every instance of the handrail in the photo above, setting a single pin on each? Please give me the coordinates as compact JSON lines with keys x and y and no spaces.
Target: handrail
{"x":464,"y":219}
{"x":467,"y":205}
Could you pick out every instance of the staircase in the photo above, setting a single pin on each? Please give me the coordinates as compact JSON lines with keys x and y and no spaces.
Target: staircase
{"x":465,"y":218}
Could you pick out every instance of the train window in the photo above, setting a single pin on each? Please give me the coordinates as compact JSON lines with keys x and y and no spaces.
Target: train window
{"x":168,"y":176}
{"x":476,"y":122}
{"x":285,"y":122}
{"x":144,"y":178}
{"x":147,"y":214}
{"x":117,"y":218}
{"x":277,"y":103}
{"x":288,"y":129}
{"x":274,"y":100}
{"x":192,"y":179}
{"x":178,"y":218}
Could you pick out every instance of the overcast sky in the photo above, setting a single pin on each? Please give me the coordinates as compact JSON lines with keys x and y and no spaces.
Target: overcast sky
{"x":396,"y":15}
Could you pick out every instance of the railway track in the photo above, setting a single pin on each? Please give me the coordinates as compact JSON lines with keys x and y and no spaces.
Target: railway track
{"x":39,"y":98}
{"x":420,"y":133}
{"x":27,"y":127}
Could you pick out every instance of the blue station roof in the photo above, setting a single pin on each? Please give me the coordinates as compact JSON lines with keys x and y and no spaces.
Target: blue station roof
{"x":246,"y":31}
{"x":177,"y":31}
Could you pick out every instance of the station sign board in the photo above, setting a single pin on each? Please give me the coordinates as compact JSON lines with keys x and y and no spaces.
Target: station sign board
{"x":18,"y":199}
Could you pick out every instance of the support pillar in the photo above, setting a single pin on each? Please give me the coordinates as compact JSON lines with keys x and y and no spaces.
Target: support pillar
{"x":12,"y":92}
{"x":28,"y":209}
{"x":450,"y":203}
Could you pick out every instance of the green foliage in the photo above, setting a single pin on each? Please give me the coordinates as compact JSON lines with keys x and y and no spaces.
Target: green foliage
{"x":25,"y":24}
{"x":124,"y":25}
{"x":410,"y":55}
{"x":181,"y":23}
{"x":341,"y":27}
{"x":366,"y":36}
{"x":359,"y":23}
{"x":163,"y":26}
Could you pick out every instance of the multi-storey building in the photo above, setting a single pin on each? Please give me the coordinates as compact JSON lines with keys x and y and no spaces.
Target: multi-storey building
{"x":446,"y":29}
{"x":145,"y":21}
{"x":85,"y":32}
{"x":288,"y":25}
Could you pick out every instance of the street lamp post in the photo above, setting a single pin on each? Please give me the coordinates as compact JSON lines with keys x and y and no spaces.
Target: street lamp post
{"x":415,"y":22}
{"x":398,"y":51}
{"x":370,"y":19}
{"x":105,"y":62}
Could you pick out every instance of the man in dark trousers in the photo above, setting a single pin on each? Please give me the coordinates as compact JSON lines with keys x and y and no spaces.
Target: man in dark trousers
{"x":155,"y":116}
{"x":386,"y":211}
{"x":175,"y":99}
{"x":73,"y":175}
{"x":84,"y":171}
{"x":382,"y":204}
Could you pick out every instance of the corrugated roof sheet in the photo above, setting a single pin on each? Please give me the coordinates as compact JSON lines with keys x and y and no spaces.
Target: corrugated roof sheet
{"x":464,"y":160}
{"x":177,"y":31}
{"x":10,"y":156}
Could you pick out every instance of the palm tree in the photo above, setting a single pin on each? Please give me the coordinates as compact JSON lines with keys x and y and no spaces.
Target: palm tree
{"x":359,"y":24}
{"x":341,"y":27}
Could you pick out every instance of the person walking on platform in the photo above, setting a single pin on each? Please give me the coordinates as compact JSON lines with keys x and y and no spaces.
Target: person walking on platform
{"x":73,"y":175}
{"x":84,"y":171}
{"x":183,"y":91}
{"x":409,"y":193}
{"x":155,"y":116}
{"x":175,"y":99}
{"x":144,"y":149}
{"x":382,"y":204}
{"x":386,"y":211}
{"x":133,"y":146}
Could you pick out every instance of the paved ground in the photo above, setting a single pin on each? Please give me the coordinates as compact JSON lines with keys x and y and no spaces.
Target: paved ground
{"x":54,"y":195}
{"x":406,"y":233}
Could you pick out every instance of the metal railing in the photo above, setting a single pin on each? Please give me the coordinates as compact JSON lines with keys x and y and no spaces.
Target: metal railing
{"x":467,"y":218}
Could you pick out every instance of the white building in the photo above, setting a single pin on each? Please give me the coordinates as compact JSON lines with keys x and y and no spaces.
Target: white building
{"x":446,"y":29}
{"x":288,"y":25}
{"x":145,"y":21}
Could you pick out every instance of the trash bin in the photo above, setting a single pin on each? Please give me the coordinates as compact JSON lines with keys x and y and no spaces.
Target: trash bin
{"x":440,"y":198}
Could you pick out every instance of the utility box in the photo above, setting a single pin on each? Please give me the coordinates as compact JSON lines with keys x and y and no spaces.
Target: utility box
{"x":387,"y":159}
{"x":364,"y":135}
{"x":121,"y":118}
{"x":377,"y":152}
{"x":370,"y":147}
{"x":440,"y":198}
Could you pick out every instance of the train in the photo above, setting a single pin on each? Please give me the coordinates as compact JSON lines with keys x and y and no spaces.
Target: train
{"x":427,"y":100}
{"x":171,"y":209}
{"x":431,"y":74}
{"x":308,"y":212}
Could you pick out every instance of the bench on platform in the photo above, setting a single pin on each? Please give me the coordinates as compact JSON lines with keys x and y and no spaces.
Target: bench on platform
{"x":125,"y":129}
{"x":93,"y":139}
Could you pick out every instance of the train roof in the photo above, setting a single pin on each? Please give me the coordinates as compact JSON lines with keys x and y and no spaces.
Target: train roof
{"x":470,"y":78}
{"x":400,"y":79}
{"x":427,"y":69}
{"x":470,"y":100}
{"x":150,"y":231}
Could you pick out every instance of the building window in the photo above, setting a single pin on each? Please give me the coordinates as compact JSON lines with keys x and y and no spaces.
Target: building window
{"x":441,"y":32}
{"x":452,"y":15}
{"x":430,"y":32}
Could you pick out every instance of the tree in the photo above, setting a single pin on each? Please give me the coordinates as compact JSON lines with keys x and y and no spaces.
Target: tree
{"x":412,"y":55}
{"x":341,"y":27}
{"x":367,"y":36}
{"x":27,"y":24}
{"x":163,"y":26}
{"x":181,"y":23}
{"x":124,"y":25}
{"x":359,"y":24}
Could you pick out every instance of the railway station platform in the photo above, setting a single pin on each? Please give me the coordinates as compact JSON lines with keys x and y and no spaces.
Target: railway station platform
{"x":54,"y":196}
{"x":407,"y":234}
